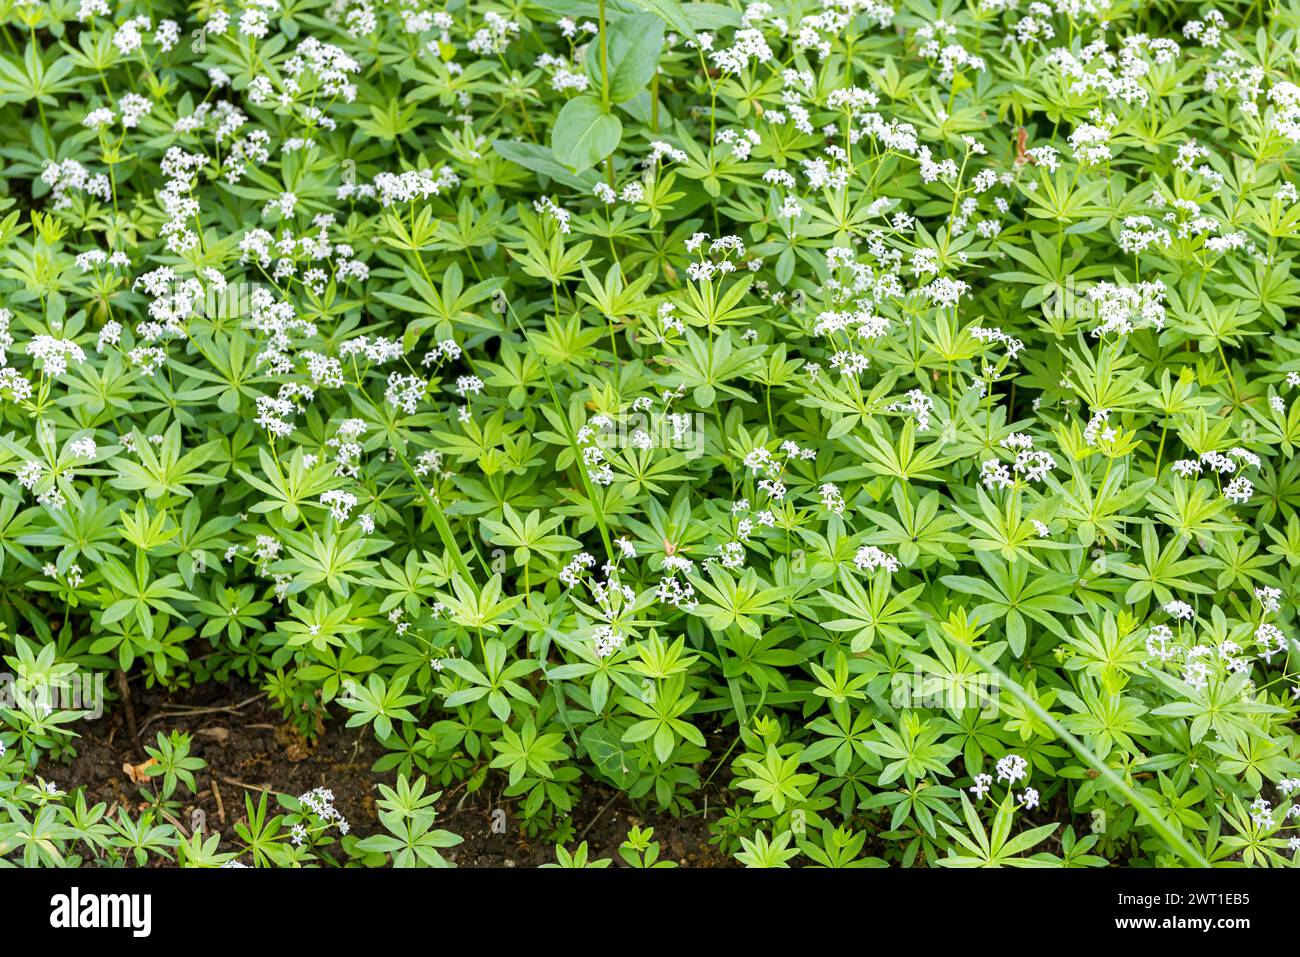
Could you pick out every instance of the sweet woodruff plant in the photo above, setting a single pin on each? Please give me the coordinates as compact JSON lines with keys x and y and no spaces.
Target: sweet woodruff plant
{"x":877,"y":420}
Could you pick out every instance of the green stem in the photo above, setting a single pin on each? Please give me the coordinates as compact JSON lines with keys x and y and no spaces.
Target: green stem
{"x":1171,"y":837}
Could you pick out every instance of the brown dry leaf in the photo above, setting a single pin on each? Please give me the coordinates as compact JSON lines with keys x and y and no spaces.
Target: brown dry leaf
{"x":298,"y":751}
{"x":218,"y":734}
{"x":136,"y":772}
{"x":296,"y":746}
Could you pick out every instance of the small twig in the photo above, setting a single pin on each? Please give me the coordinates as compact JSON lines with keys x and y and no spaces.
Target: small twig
{"x":461,"y":802}
{"x":174,"y":823}
{"x":450,"y":794}
{"x":247,"y":787}
{"x":125,"y":691}
{"x":221,"y":808}
{"x":225,"y":709}
{"x":592,"y":822}
{"x":192,"y":712}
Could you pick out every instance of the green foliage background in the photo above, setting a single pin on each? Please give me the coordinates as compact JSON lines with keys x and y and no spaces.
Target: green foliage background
{"x":823,"y":406}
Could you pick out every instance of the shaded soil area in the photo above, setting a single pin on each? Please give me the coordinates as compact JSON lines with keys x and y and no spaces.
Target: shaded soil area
{"x":249,"y":748}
